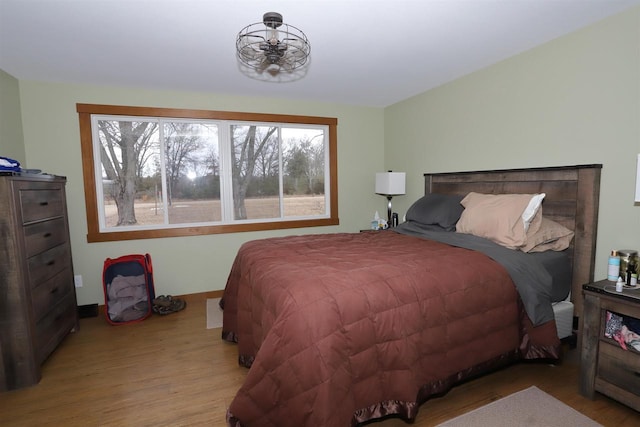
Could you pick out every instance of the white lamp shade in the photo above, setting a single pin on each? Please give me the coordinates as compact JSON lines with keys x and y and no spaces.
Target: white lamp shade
{"x":390,"y":183}
{"x":638,"y":180}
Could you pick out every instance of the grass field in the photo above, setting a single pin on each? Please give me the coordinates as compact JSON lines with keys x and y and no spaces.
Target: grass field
{"x":195,"y":211}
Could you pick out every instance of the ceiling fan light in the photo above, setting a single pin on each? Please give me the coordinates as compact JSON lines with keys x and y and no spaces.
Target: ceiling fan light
{"x":272,"y":43}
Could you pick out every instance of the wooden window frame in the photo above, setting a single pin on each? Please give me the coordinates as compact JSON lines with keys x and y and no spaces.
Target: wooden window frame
{"x":85,"y":111}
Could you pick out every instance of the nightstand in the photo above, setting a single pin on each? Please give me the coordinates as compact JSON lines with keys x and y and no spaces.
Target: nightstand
{"x":605,"y":366}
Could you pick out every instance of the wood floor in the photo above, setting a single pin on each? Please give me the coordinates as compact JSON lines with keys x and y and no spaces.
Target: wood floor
{"x":172,"y":371}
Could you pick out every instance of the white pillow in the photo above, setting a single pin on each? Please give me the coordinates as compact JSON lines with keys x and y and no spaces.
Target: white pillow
{"x":531,"y":210}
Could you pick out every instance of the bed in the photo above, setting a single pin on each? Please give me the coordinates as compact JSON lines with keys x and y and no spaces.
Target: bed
{"x":341,"y":329}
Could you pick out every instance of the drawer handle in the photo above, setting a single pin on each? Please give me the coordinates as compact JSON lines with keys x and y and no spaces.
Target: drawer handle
{"x":53,"y":261}
{"x":47,"y":235}
{"x":44,"y":203}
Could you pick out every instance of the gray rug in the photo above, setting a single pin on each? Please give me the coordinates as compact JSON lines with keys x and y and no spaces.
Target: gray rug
{"x":214,"y":313}
{"x":527,"y":408}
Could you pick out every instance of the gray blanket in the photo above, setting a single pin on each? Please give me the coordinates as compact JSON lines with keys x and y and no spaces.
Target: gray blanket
{"x":532,"y":280}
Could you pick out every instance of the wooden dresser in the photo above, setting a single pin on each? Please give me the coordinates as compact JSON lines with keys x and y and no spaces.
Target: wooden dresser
{"x":605,"y":366}
{"x":37,"y":294}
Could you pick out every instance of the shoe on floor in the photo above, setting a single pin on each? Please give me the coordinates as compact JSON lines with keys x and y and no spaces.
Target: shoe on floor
{"x":168,"y":304}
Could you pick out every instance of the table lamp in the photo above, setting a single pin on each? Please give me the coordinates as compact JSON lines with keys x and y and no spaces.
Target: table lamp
{"x":390,"y":184}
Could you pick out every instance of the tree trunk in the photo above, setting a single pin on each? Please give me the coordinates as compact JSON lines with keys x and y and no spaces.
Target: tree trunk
{"x":125,"y":199}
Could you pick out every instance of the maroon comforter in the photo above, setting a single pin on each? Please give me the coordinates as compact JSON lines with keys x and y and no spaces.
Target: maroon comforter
{"x":342,"y":328}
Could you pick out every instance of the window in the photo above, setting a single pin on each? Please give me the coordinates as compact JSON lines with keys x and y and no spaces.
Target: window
{"x":154,"y":172}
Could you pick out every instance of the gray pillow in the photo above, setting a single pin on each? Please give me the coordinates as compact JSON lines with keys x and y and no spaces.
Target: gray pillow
{"x":443,"y":210}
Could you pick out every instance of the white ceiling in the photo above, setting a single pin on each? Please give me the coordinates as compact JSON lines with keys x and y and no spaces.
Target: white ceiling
{"x":363,"y":52}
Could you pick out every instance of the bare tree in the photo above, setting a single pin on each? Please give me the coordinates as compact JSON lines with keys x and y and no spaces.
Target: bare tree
{"x":123,"y":151}
{"x":212,"y":162}
{"x":268,"y":162}
{"x":180,"y":145}
{"x":305,"y":161}
{"x":127,"y":147}
{"x":249,"y":143}
{"x":316,"y":165}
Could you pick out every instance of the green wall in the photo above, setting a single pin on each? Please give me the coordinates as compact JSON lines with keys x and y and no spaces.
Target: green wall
{"x":11,"y":139}
{"x":574,"y":100}
{"x":189,"y":264}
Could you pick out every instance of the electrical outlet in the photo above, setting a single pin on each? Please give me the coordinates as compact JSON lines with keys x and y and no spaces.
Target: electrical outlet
{"x":77,"y":279}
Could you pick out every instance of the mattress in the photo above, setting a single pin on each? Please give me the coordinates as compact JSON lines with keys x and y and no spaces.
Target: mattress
{"x":563,"y":313}
{"x":559,"y":267}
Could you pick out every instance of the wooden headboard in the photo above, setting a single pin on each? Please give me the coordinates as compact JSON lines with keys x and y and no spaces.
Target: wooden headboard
{"x":572,"y":197}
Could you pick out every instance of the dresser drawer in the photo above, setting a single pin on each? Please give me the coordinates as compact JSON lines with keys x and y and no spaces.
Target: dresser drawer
{"x":619,"y":367}
{"x":38,"y":305}
{"x":41,"y":204}
{"x":53,"y":327}
{"x":48,"y":264}
{"x":47,"y":295}
{"x":44,"y":235}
